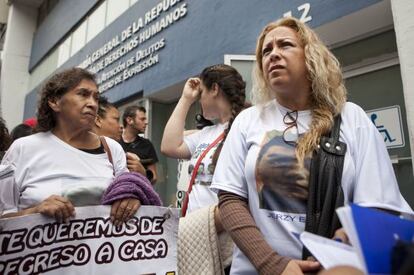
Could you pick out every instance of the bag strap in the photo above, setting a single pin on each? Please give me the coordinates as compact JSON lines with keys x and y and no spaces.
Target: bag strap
{"x":325,"y":189}
{"x":108,"y":152}
{"x":330,"y":142}
{"x":194,"y":173}
{"x":336,"y":128}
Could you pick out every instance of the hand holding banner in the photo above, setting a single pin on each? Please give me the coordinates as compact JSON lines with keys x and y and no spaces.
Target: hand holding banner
{"x":90,"y":243}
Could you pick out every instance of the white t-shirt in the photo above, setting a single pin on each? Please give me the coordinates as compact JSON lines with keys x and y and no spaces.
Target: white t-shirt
{"x":45,"y":165}
{"x":255,"y":157}
{"x":201,"y":195}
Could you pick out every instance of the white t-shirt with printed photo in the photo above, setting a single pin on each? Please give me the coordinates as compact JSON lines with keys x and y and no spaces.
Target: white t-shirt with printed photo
{"x":201,"y":195}
{"x":256,"y":163}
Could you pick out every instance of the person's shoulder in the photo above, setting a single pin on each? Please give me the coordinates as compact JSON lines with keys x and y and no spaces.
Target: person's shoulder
{"x":249,"y":112}
{"x":140,"y":139}
{"x":113,"y":144}
{"x":354,"y":113}
{"x":253,"y":113}
{"x":210,"y":128}
{"x":32,"y":139}
{"x":351,"y":108}
{"x":29,"y":144}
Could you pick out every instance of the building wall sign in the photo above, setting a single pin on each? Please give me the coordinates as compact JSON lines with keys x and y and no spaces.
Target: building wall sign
{"x":128,"y":42}
{"x":304,"y":13}
{"x":389,"y":123}
{"x":156,"y":44}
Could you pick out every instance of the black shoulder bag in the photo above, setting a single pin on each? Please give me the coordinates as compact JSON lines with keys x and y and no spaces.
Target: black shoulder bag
{"x":325,"y":189}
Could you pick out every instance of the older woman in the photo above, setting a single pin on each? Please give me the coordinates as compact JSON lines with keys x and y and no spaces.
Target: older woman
{"x":65,"y":164}
{"x":300,"y":153}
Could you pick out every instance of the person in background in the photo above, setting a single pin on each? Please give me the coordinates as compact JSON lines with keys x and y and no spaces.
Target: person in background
{"x":135,"y":122}
{"x":303,"y":151}
{"x":221,"y":91}
{"x":107,"y":120}
{"x":65,"y":164}
{"x":21,"y":130}
{"x":4,"y":138}
{"x":107,"y":124}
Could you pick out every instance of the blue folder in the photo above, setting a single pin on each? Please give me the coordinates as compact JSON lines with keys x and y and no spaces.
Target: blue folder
{"x":377,"y":233}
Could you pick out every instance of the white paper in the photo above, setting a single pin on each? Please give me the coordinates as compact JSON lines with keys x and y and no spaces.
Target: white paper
{"x":330,"y":253}
{"x":345,"y":216}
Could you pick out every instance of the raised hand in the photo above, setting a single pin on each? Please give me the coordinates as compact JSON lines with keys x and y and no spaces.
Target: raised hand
{"x":191,"y":91}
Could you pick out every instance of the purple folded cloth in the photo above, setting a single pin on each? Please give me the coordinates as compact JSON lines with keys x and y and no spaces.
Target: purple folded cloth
{"x":131,"y":185}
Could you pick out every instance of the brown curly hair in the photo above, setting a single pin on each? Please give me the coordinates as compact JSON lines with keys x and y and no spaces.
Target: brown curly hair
{"x":55,"y":87}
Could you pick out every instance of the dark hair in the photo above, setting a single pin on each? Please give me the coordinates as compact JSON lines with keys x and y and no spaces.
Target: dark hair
{"x":104,"y":105}
{"x":55,"y":87}
{"x":131,"y":111}
{"x":21,"y":130}
{"x":232,"y":86}
{"x":4,"y":136}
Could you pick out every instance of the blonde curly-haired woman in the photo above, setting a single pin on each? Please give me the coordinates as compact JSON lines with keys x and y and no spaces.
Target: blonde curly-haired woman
{"x":296,"y":156}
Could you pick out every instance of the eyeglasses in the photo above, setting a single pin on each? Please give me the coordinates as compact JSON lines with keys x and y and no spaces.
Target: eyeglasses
{"x":290,"y":136}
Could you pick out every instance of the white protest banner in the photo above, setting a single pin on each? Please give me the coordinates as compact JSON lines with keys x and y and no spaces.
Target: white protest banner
{"x":90,"y":244}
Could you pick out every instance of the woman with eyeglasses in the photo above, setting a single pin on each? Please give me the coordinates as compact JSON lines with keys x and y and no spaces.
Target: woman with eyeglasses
{"x":296,"y":156}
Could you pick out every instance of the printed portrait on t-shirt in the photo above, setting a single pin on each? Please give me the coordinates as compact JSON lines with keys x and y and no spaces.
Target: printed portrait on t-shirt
{"x":205,"y":170}
{"x":211,"y":168}
{"x":200,"y":170}
{"x":282,"y":184}
{"x":190,"y":169}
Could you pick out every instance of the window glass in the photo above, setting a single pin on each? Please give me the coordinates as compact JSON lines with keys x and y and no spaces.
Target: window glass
{"x":245,"y":68}
{"x":64,"y":51}
{"x":115,"y":9}
{"x":78,"y":38}
{"x":96,"y":22}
